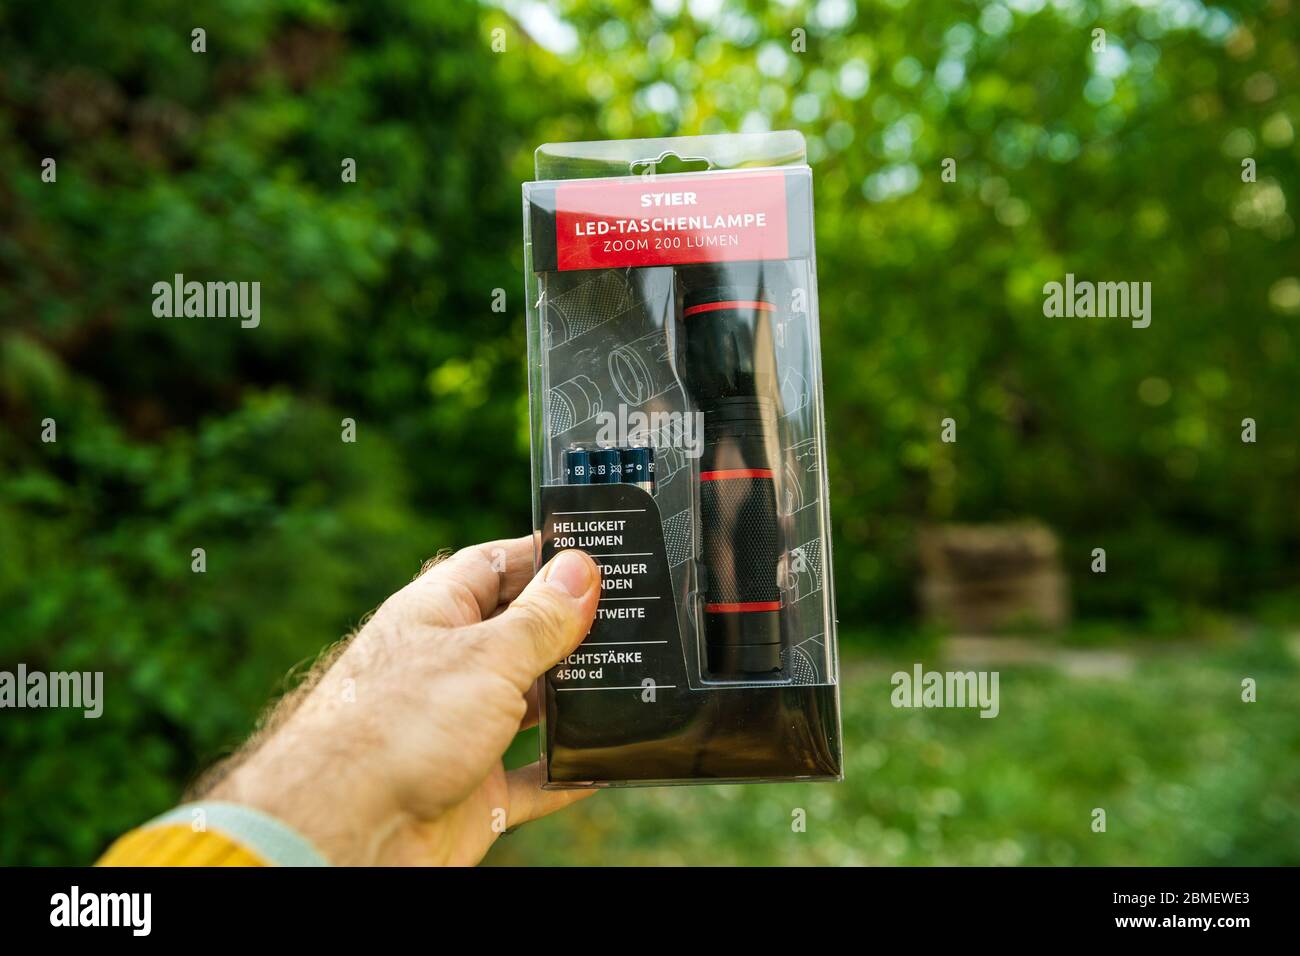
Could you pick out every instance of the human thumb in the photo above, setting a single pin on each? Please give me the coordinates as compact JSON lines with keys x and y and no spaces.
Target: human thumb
{"x":546,"y":622}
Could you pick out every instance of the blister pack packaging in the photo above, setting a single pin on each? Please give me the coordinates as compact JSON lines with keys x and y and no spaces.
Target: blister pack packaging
{"x":678,"y":438}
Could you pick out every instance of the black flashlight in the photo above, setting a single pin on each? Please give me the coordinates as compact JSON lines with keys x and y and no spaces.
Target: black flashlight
{"x":730,"y":365}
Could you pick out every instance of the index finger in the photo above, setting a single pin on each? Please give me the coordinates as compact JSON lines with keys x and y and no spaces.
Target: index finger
{"x":468,"y":586}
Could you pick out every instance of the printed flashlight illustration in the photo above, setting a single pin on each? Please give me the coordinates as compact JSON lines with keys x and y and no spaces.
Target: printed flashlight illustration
{"x":730,"y":371}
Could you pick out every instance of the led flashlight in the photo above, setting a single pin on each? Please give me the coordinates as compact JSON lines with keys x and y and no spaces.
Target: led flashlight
{"x":730,"y":371}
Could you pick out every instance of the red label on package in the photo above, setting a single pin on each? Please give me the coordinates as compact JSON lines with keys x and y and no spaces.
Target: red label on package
{"x":719,"y":217}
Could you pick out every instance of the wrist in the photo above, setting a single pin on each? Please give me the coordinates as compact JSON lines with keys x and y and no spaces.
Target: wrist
{"x":339,"y":808}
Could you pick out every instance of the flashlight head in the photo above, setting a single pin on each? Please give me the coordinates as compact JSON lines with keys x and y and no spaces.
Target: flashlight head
{"x":728,"y":334}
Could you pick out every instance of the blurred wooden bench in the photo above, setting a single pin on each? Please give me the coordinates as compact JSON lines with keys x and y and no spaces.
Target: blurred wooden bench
{"x":993,"y":577}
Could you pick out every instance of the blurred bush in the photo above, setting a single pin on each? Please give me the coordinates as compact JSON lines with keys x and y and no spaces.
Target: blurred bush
{"x":176,"y":434}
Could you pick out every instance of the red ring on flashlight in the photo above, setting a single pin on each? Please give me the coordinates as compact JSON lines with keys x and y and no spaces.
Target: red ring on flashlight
{"x":755,"y":304}
{"x":729,"y":473}
{"x":744,"y":607}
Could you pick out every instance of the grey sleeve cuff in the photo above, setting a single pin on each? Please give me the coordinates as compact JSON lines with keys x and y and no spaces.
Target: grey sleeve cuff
{"x":275,"y":842}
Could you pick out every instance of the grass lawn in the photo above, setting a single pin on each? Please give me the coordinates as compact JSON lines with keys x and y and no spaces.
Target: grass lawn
{"x":1186,"y":771}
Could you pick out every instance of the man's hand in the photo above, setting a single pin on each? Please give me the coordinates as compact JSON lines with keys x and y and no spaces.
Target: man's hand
{"x":394,"y":756}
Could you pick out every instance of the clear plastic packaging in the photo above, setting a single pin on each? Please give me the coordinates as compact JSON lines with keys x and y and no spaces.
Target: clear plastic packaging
{"x":677,"y":437}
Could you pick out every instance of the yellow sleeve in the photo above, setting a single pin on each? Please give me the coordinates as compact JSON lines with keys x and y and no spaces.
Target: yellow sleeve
{"x":213,"y":834}
{"x":177,"y":844}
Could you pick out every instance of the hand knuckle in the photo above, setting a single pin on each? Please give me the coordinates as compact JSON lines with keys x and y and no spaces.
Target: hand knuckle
{"x":541,"y":620}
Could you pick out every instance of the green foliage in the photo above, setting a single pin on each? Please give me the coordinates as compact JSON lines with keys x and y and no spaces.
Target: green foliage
{"x":176,"y":434}
{"x":1121,"y":165}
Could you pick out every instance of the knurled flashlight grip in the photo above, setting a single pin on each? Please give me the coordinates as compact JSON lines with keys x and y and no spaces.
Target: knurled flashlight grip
{"x":741,"y":548}
{"x":730,"y":368}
